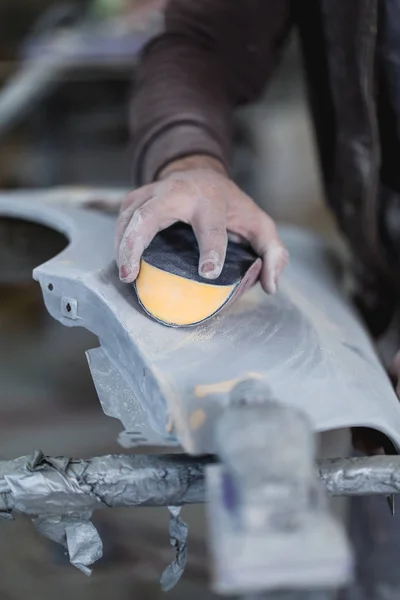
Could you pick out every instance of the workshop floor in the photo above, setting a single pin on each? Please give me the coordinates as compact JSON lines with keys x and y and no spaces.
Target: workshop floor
{"x":47,"y":399}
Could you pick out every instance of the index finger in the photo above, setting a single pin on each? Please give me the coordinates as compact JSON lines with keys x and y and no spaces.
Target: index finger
{"x":150,"y":218}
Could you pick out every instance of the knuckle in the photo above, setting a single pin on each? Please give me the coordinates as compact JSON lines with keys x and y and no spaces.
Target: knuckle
{"x":180,"y":185}
{"x":140,"y":217}
{"x":216,"y":236}
{"x":124,"y":216}
{"x":130,"y":200}
{"x":134,"y":198}
{"x":212,"y":191}
{"x":217,"y":232}
{"x":126,"y":202}
{"x":263,"y":217}
{"x":264,"y":225}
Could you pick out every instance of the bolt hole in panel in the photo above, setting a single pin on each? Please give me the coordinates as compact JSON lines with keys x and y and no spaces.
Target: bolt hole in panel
{"x":306,"y":342}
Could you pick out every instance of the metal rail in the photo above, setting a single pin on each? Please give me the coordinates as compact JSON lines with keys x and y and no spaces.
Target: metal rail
{"x":60,"y":494}
{"x":42,"y":485}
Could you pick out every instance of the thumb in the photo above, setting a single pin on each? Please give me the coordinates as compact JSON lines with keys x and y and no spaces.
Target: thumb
{"x":264,"y":238}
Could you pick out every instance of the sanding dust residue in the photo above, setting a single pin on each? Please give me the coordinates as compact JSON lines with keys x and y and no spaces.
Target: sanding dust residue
{"x":222,"y":387}
{"x":197,"y":419}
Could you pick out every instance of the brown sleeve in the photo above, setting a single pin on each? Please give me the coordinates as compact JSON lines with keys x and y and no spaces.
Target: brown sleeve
{"x":213,"y":56}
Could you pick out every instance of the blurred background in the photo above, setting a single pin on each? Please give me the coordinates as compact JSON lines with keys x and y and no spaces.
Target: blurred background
{"x":67,"y":71}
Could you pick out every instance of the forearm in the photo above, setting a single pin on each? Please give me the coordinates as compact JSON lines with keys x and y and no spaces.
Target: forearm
{"x":180,"y":109}
{"x":213,"y":56}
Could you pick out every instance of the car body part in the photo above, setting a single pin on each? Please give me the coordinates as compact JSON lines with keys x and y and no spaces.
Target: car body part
{"x":170,"y":385}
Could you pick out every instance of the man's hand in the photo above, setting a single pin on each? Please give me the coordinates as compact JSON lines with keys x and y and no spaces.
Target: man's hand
{"x":197,"y":191}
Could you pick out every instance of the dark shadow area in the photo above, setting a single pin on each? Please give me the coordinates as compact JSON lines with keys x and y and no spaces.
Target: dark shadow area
{"x":25,"y":245}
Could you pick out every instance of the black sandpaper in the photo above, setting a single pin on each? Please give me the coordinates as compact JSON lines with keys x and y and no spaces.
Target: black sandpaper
{"x":175,"y":250}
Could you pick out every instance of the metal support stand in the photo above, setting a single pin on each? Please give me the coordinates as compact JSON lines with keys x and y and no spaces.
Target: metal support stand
{"x":268,"y":515}
{"x":59,"y":494}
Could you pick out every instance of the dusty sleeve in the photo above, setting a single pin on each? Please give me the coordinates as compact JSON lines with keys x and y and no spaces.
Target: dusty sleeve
{"x":212,"y":56}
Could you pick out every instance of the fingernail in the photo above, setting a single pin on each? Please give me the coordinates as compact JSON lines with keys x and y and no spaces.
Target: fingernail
{"x":208,"y":269}
{"x":125,"y":272}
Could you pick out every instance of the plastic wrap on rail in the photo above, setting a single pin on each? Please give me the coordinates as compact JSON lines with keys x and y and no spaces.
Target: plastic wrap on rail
{"x":43,"y":485}
{"x":78,"y":536}
{"x":361,"y":476}
{"x":60,"y":495}
{"x":178,"y":531}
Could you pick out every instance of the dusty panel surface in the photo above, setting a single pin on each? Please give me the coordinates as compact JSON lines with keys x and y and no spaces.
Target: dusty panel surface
{"x":305,"y":342}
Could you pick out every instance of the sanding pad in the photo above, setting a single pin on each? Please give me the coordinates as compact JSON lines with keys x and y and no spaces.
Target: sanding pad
{"x":170,"y":289}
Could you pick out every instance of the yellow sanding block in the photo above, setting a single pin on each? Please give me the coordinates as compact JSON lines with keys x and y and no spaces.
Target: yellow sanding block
{"x":170,"y":289}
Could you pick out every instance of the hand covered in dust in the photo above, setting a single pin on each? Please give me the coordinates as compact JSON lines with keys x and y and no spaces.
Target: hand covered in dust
{"x":204,"y":197}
